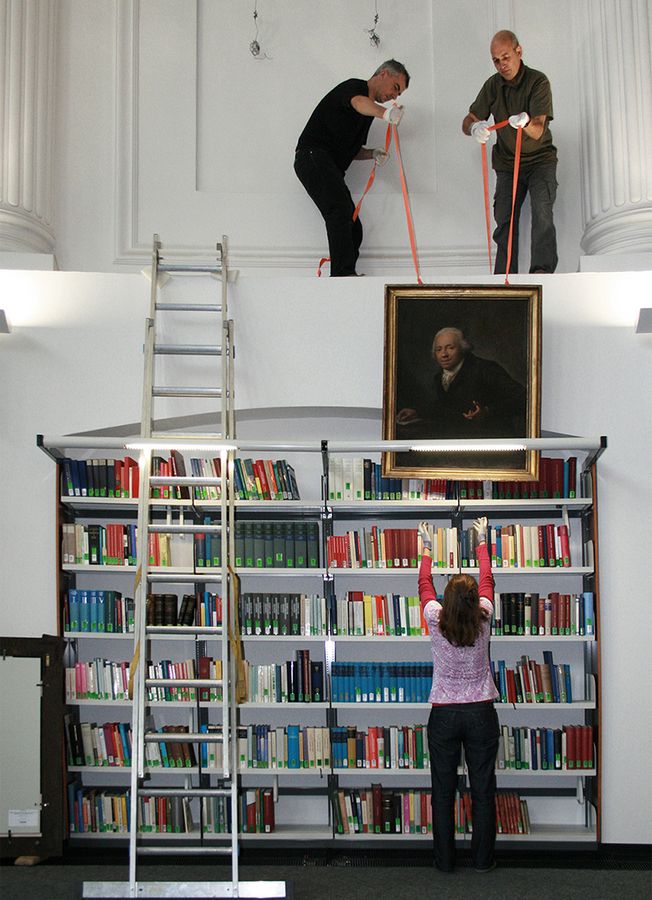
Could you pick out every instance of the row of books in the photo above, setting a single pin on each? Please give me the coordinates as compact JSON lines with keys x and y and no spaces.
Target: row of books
{"x":377,"y":811}
{"x":97,"y":679}
{"x":357,"y":478}
{"x":90,"y":744}
{"x":358,"y":613}
{"x":529,"y":546}
{"x":216,"y":815}
{"x":382,"y":548}
{"x":532,"y":682}
{"x":299,"y":680}
{"x":277,"y":545}
{"x":555,"y":614}
{"x":282,"y":614}
{"x":105,"y":679}
{"x":399,"y":747}
{"x":99,"y":477}
{"x":265,"y":479}
{"x":92,"y":811}
{"x":204,"y":667}
{"x":256,"y":811}
{"x":99,"y":545}
{"x":512,"y":816}
{"x":569,"y":747}
{"x":115,"y":545}
{"x":164,"y":815}
{"x":203,"y":609}
{"x":380,"y":682}
{"x":292,"y":747}
{"x":97,"y":611}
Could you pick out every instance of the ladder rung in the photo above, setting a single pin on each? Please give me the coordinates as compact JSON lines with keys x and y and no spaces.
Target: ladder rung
{"x":185,"y":792}
{"x":184,"y":577}
{"x":170,"y":438}
{"x":184,"y":737}
{"x":183,"y":682}
{"x":189,"y":307}
{"x":188,"y":267}
{"x":184,"y":529}
{"x":184,"y":629}
{"x":188,"y":349}
{"x":186,"y":851}
{"x":160,"y":391}
{"x":186,"y":479}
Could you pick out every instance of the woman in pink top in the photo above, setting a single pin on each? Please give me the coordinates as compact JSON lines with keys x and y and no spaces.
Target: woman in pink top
{"x":462,"y":698}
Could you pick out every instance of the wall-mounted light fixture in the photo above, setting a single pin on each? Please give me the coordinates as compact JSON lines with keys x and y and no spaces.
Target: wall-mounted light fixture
{"x":644,"y":324}
{"x":4,"y":324}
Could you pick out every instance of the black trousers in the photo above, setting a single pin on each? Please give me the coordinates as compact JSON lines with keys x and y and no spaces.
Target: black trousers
{"x":541,"y":182}
{"x":326,"y":186}
{"x":475,"y":727}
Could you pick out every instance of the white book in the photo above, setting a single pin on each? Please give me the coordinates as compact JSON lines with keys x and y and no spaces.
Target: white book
{"x":358,"y":478}
{"x":335,"y":483}
{"x":347,"y":478}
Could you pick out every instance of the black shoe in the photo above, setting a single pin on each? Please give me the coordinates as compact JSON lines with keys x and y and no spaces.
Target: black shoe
{"x":486,"y":869}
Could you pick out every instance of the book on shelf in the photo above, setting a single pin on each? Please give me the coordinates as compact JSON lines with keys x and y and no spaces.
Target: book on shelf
{"x":256,"y":811}
{"x":380,"y":682}
{"x":385,"y":548}
{"x":216,"y":815}
{"x":533,"y":682}
{"x":93,"y":811}
{"x":292,"y":747}
{"x":282,"y":614}
{"x":355,"y":478}
{"x":395,"y":747}
{"x":298,"y":680}
{"x":541,"y":749}
{"x":97,"y":611}
{"x":552,"y":615}
{"x":276,"y":545}
{"x":376,"y":810}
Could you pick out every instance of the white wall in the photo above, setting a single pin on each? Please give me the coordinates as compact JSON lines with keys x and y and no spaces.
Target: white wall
{"x":166,"y":123}
{"x":73,"y":363}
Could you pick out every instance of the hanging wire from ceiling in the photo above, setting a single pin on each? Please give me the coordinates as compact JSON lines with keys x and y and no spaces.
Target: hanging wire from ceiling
{"x":374,"y":37}
{"x":254,"y":47}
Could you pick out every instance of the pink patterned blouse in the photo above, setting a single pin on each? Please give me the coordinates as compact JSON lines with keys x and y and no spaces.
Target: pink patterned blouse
{"x":460,"y":674}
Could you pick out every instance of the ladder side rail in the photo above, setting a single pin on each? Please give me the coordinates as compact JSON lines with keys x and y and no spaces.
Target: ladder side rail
{"x":140,"y":657}
{"x":231,"y":743}
{"x":148,"y":347}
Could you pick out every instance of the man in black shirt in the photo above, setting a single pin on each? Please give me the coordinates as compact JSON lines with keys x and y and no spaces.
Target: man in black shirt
{"x":333,"y":137}
{"x":523,"y":96}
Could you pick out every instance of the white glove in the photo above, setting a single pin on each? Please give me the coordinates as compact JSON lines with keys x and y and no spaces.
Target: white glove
{"x":393,"y":114}
{"x":424,"y":534}
{"x":480,"y":131}
{"x":480,"y":526}
{"x":519,"y":120}
{"x":379,"y":156}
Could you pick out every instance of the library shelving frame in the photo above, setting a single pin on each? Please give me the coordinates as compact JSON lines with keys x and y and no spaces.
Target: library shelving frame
{"x":564,"y":804}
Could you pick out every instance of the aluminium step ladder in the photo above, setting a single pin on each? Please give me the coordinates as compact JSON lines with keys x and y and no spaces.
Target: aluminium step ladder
{"x":201,"y":793}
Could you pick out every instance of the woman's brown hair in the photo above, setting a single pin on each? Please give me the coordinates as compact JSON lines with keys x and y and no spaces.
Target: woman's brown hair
{"x":461,"y":617}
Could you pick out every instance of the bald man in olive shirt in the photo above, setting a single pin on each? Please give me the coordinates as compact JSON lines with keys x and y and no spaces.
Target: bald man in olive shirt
{"x":523,"y":96}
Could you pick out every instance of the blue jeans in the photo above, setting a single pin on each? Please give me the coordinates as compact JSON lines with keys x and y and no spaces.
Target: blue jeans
{"x":325,"y":184}
{"x":475,"y":727}
{"x":541,"y":182}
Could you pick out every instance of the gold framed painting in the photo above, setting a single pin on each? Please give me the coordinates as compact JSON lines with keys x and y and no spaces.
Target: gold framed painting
{"x":462,"y":363}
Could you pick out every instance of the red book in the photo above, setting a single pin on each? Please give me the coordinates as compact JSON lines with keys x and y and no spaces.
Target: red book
{"x":550,"y":545}
{"x":565,"y":545}
{"x":554,"y":623}
{"x":525,"y":677}
{"x":541,"y":614}
{"x":587,"y":746}
{"x":377,"y":805}
{"x":204,"y":671}
{"x":268,"y":810}
{"x":556,"y":477}
{"x":261,"y":477}
{"x":571,"y":739}
{"x":511,"y":685}
{"x":130,"y":476}
{"x":373,"y":747}
{"x":572,"y":476}
{"x":424,"y":811}
{"x":544,"y":476}
{"x":274,"y":490}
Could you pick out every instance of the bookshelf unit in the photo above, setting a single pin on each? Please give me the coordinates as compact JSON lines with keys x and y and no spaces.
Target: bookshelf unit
{"x":564,"y":804}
